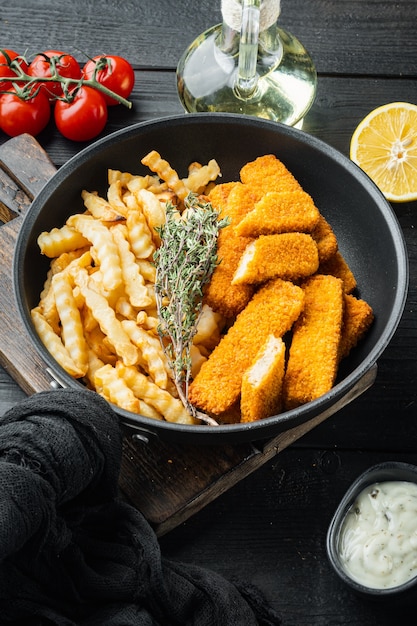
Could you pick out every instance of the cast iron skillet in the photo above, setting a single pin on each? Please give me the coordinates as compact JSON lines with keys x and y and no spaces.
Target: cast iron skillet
{"x":367,"y":230}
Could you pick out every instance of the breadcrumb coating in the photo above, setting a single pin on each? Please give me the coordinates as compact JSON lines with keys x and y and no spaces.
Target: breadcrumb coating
{"x":280,"y":212}
{"x":357,"y":319}
{"x":272,"y":310}
{"x":268,"y":173}
{"x":337,"y":266}
{"x":220,"y":294}
{"x":241,"y":201}
{"x":219,"y":194}
{"x":290,"y":256}
{"x":314,"y":352}
{"x":325,"y":239}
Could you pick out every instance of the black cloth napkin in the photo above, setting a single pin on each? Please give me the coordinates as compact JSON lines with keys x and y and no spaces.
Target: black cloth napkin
{"x":72,"y":552}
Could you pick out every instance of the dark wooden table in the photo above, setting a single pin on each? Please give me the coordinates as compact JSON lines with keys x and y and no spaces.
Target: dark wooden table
{"x":271,"y":526}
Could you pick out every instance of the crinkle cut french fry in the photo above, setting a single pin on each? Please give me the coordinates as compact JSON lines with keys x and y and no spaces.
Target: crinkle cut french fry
{"x":170,"y":408}
{"x":100,"y":208}
{"x":72,"y":333}
{"x":199,"y":177}
{"x":160,"y":166}
{"x":54,"y":242}
{"x":112,"y":386}
{"x":147,"y":269}
{"x":54,"y":344}
{"x":114,"y":196}
{"x":153,"y":210}
{"x":94,"y":364}
{"x":139,"y":234}
{"x":47,"y":306}
{"x":99,"y":344}
{"x":105,"y":248}
{"x":151,"y":351}
{"x":107,"y":319}
{"x":81,"y":256}
{"x":133,"y":280}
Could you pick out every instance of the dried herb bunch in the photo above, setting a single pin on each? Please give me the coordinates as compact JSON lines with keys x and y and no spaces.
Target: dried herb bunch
{"x":184,"y":262}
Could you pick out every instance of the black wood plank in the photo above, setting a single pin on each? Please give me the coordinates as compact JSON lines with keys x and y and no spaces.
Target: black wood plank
{"x":271,"y":530}
{"x":348,"y":38}
{"x":339,"y":106}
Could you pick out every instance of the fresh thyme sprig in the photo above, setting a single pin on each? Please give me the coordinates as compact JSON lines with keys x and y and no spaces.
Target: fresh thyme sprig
{"x":184,"y":262}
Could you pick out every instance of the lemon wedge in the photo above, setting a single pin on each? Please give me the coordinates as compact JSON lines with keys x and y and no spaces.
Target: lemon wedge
{"x":384,"y":145}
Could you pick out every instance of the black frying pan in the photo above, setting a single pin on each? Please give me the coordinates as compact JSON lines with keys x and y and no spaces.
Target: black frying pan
{"x":367,"y":230}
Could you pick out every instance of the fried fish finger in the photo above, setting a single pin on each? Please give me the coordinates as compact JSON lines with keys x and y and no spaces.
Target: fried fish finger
{"x":272,"y":310}
{"x":357,"y":319}
{"x":262,"y":382}
{"x":267,"y":173}
{"x":314,"y":352}
{"x":280,"y":212}
{"x":290,"y":256}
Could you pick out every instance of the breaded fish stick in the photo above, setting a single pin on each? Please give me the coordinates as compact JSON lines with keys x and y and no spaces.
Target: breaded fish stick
{"x":325,"y":239}
{"x":262,"y":382}
{"x":357,"y":318}
{"x":337,"y":266}
{"x":234,"y":201}
{"x":220,"y":294}
{"x":314,"y":352}
{"x":267,"y":173}
{"x":272,"y":310}
{"x":290,"y":256}
{"x":280,"y":212}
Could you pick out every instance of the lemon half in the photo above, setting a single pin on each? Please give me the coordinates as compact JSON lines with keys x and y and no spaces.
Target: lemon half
{"x":384,"y":145}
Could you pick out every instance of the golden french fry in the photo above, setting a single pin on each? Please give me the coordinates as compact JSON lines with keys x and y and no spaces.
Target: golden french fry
{"x":105,"y":248}
{"x":153,"y":358}
{"x":197,"y":360}
{"x":170,"y":408}
{"x":147,"y":269}
{"x":124,"y":308}
{"x":133,"y":280}
{"x":141,"y":182}
{"x":100,"y":208}
{"x":124,"y":177}
{"x":109,"y":384}
{"x":139,"y":235}
{"x":199,"y":177}
{"x":107,"y":320}
{"x":72,"y":333}
{"x":47,"y":306}
{"x":208,"y":327}
{"x":58,"y":240}
{"x":160,"y":166}
{"x":114,"y":196}
{"x":97,"y":342}
{"x":54,"y":344}
{"x":153,"y":210}
{"x":94,"y":364}
{"x":147,"y":321}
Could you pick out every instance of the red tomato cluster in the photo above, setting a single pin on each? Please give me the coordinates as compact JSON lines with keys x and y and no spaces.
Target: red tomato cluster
{"x":79,"y":109}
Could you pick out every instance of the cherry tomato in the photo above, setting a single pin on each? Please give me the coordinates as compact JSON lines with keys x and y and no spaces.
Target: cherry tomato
{"x":114,"y":72}
{"x":19,"y":116}
{"x":5,"y":70}
{"x":66,"y":66}
{"x":83,"y":118}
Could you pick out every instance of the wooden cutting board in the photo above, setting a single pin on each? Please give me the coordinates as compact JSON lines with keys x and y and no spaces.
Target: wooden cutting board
{"x":167,"y":482}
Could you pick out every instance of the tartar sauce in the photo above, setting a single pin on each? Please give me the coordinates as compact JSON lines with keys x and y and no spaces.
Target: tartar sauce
{"x":378,"y":538}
